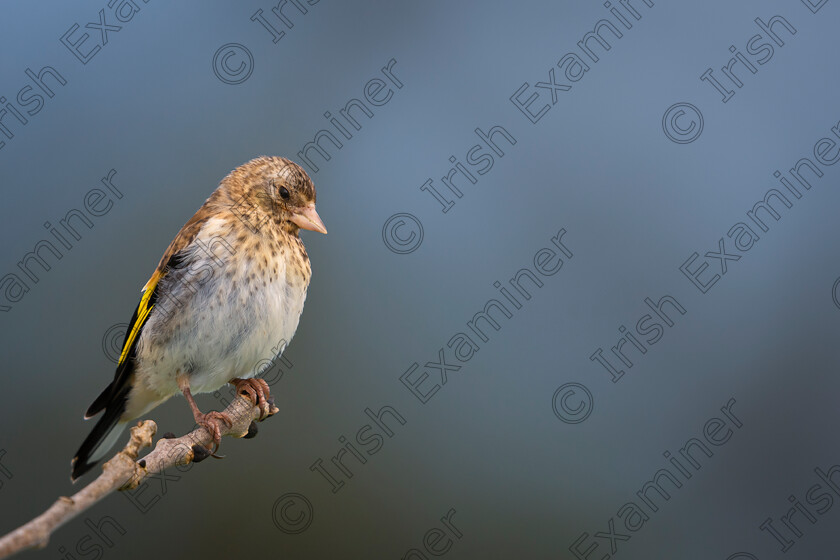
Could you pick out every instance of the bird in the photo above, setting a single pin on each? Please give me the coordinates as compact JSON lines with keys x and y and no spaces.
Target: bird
{"x":226,"y":296}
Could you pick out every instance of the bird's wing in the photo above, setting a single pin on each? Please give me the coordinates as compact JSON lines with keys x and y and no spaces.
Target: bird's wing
{"x":186,"y":236}
{"x":172,"y":258}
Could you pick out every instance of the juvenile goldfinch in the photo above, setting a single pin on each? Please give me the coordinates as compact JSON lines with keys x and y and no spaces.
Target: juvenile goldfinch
{"x":226,"y":297}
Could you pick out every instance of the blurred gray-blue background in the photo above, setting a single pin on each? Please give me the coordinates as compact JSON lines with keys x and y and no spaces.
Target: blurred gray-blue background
{"x":505,"y":459}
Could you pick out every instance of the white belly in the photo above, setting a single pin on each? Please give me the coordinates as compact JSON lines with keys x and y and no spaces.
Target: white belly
{"x":229,"y":321}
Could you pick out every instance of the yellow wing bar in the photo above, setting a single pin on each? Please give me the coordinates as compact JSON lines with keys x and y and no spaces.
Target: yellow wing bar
{"x":143,"y":311}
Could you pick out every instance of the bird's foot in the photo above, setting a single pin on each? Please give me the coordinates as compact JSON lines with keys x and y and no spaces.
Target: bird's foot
{"x":211,"y":421}
{"x":257,"y":390}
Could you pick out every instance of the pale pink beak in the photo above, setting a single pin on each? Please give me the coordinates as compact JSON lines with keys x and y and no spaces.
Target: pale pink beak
{"x":308,"y":218}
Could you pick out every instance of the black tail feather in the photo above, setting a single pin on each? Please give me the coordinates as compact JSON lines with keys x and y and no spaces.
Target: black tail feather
{"x":114,"y":408}
{"x":100,"y":403}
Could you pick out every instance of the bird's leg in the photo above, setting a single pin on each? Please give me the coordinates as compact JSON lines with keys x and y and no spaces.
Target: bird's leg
{"x":257,"y":390}
{"x":210,"y":420}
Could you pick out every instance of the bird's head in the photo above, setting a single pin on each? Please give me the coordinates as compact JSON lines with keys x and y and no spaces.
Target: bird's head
{"x":280,"y":189}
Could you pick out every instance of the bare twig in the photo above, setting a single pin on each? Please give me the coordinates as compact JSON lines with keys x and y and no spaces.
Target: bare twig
{"x":125,"y":472}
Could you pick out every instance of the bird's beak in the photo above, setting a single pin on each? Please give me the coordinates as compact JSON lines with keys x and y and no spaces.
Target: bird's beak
{"x":308,"y":218}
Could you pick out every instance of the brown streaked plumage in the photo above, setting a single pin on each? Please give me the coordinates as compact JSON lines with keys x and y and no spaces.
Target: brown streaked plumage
{"x":226,"y":296}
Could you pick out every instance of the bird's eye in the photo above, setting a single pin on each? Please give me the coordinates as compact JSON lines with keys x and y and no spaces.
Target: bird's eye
{"x":284,"y":193}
